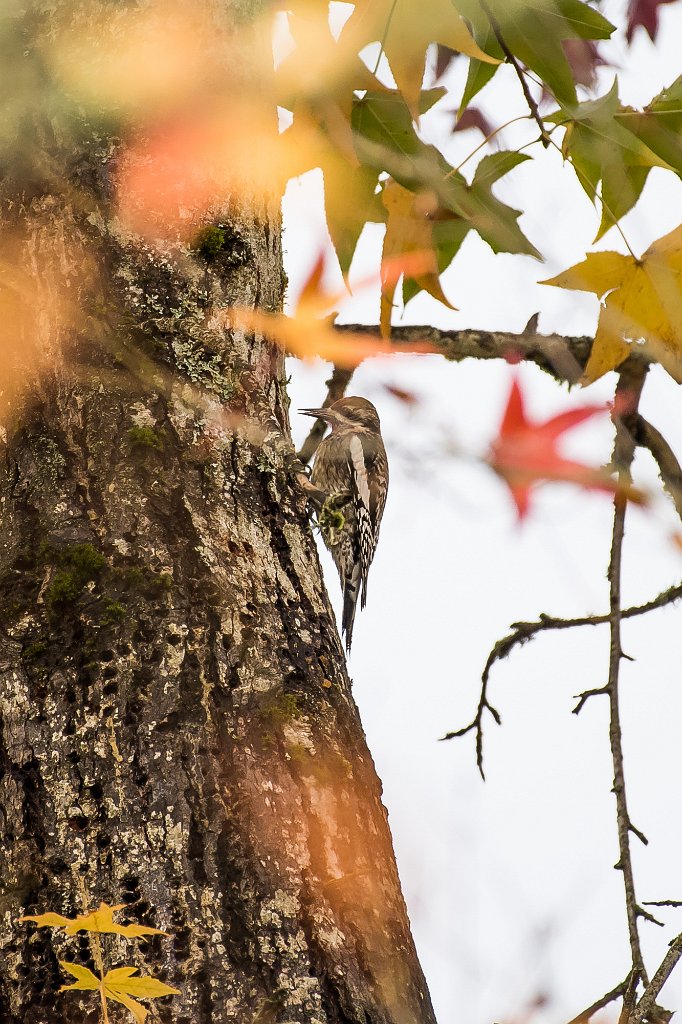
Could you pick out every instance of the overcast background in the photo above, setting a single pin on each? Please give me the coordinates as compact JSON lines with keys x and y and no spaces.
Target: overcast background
{"x":510,"y":883}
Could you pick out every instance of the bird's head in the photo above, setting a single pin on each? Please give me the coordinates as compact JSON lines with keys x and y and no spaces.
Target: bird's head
{"x":348,"y":414}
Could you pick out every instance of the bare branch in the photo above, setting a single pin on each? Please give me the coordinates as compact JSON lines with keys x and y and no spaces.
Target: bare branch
{"x":629,"y":998}
{"x":641,"y":912}
{"x":564,"y":358}
{"x":336,"y":388}
{"x":525,"y":631}
{"x":476,"y":725}
{"x":669,"y":467}
{"x":628,"y":389}
{"x":583,"y":697}
{"x":663,"y":903}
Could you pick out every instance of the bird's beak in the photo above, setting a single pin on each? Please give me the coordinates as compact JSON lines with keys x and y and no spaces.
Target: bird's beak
{"x":320,"y":414}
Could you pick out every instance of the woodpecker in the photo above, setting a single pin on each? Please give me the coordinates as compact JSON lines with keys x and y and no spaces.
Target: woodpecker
{"x":351,"y":469}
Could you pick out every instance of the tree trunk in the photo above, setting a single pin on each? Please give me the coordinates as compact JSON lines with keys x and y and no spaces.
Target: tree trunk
{"x":178,"y":730}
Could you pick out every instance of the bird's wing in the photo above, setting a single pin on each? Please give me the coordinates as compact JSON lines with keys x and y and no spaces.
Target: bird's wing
{"x":366,"y":532}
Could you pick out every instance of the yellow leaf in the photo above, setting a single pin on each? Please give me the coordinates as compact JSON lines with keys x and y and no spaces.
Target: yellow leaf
{"x":138,"y":1011}
{"x":85,"y":978}
{"x":405,"y":29}
{"x":120,"y":986}
{"x":408,"y":230}
{"x":143,"y":987}
{"x":642,"y":308}
{"x":100,"y":920}
{"x":47,"y":920}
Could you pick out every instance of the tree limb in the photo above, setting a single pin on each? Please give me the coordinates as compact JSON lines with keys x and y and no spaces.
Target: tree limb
{"x":564,"y":358}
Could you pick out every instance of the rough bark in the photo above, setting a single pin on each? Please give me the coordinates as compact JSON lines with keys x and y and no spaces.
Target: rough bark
{"x":178,"y":731}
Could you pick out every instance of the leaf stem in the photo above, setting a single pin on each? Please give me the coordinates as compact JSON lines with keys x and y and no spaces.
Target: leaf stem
{"x":486,"y":140}
{"x":99,"y":962}
{"x":389,"y":19}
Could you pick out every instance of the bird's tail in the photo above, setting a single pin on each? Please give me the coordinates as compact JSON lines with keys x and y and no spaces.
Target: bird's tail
{"x":350,"y":599}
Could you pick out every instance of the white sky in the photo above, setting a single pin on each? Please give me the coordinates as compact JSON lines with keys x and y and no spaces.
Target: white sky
{"x":510,"y":884}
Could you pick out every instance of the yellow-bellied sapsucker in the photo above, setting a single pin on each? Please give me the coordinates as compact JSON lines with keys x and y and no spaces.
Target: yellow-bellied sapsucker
{"x":351,"y":470}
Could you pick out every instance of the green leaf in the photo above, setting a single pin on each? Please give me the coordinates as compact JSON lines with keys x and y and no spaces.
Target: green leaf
{"x":480,"y":73}
{"x":601,"y":149}
{"x":533,"y":30}
{"x":494,"y":221}
{"x":585,"y":21}
{"x":385,"y":138}
{"x":350,"y":202}
{"x":659,"y":125}
{"x":494,"y":166}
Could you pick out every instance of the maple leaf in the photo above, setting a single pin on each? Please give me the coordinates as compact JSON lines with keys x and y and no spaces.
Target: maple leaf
{"x":643,"y":305}
{"x":534,"y":31}
{"x":526,"y":453}
{"x":308,"y":333}
{"x":386,"y":140}
{"x":119,"y":985}
{"x":602,"y":149}
{"x":408,"y":230}
{"x":405,"y":30}
{"x":659,"y":125}
{"x":100,"y":920}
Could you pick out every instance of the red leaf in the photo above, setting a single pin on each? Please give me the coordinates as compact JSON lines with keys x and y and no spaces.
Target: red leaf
{"x":584,"y":58}
{"x":525,"y":453}
{"x":644,"y":13}
{"x":472,"y":117}
{"x":444,"y":58}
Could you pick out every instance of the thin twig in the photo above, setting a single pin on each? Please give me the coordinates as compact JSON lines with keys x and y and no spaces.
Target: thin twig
{"x":477,"y":722}
{"x":628,"y":391}
{"x":582,"y":698}
{"x":663,"y":903}
{"x":526,"y":631}
{"x":511,"y":59}
{"x":616,"y":993}
{"x":336,"y":388}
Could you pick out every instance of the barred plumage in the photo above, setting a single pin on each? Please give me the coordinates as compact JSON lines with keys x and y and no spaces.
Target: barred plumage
{"x":351,"y":469}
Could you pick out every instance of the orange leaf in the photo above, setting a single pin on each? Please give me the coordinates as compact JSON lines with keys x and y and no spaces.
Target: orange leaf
{"x":308,"y":334}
